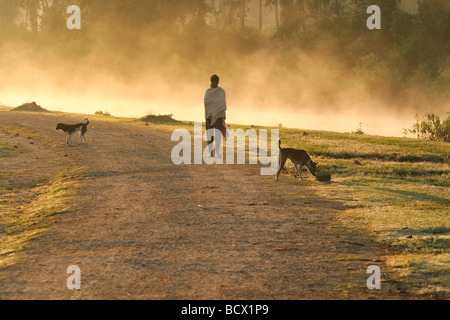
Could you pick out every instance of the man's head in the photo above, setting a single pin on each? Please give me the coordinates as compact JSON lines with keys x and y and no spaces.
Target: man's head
{"x":214,"y":81}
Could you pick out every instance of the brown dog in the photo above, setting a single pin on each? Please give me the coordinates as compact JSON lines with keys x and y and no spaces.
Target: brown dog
{"x":298,"y":158}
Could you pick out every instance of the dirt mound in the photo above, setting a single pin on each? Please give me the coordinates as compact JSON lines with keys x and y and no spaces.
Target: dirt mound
{"x":30,"y":107}
{"x":159,"y":119}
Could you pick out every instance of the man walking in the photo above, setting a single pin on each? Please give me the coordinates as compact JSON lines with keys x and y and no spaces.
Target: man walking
{"x":215,"y":114}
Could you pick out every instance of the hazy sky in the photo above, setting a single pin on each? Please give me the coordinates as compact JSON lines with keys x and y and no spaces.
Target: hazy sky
{"x":307,"y":97}
{"x":409,"y":5}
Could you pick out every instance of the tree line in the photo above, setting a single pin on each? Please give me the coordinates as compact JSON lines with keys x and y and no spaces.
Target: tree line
{"x":410,"y":51}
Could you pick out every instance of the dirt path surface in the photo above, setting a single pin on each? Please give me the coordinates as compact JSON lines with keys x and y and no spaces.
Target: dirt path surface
{"x":144,"y":228}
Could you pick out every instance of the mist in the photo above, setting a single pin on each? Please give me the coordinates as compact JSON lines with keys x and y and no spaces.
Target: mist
{"x":130,"y":64}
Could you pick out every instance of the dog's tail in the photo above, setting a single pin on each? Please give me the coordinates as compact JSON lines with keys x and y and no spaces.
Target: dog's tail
{"x":279,"y":144}
{"x":87,"y":120}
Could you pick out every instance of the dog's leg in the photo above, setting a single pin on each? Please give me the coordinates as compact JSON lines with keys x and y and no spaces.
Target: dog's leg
{"x":301,"y":172}
{"x":296,"y":170}
{"x":82,"y":137}
{"x":281,"y":164}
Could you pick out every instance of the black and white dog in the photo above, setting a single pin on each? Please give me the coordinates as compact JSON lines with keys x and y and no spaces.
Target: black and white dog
{"x":70,"y":129}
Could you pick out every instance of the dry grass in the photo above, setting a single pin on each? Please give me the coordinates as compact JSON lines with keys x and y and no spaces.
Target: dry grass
{"x":396,"y":189}
{"x":25,"y":214}
{"x":31,"y":198}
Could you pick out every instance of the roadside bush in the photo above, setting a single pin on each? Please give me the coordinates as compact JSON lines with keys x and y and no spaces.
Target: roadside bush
{"x":101,"y":113}
{"x":359,"y":130}
{"x":430,"y":127}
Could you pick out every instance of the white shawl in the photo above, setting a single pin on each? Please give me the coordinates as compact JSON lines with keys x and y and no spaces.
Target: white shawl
{"x":215,"y":103}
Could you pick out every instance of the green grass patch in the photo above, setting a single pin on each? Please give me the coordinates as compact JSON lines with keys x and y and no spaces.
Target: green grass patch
{"x":350,"y":146}
{"x":7,"y":151}
{"x":396,"y":188}
{"x":22,"y":223}
{"x":31,"y":200}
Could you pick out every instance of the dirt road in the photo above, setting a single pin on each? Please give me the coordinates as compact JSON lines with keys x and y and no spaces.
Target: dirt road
{"x":144,"y":228}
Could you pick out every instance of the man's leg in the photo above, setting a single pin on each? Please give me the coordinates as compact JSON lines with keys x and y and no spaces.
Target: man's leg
{"x":220,"y":125}
{"x":209,"y":136}
{"x":218,"y":139}
{"x":224,"y":131}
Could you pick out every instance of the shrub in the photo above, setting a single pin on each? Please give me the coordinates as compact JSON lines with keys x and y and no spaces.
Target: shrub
{"x":430,"y":127}
{"x":101,"y":113}
{"x":359,"y":130}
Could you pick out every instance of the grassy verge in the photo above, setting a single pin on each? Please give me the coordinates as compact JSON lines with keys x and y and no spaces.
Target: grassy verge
{"x":7,"y":151}
{"x":32,"y":194}
{"x":23,"y":223}
{"x":398,"y":189}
